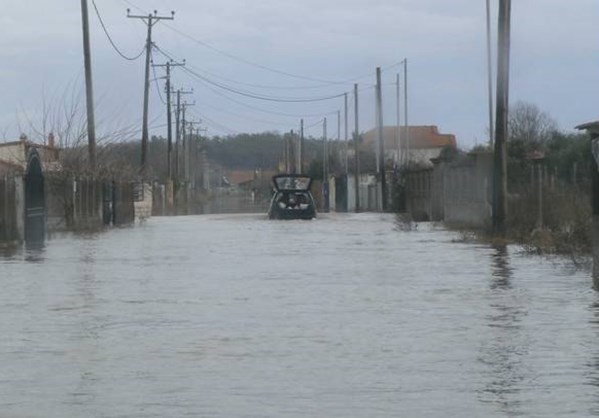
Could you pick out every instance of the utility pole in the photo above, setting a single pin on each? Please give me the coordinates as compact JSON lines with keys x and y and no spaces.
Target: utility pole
{"x":405,"y":108}
{"x":398,"y":128}
{"x":501,"y":127}
{"x":337,"y":145}
{"x":169,"y":124}
{"x":489,"y":74}
{"x":177,"y":133}
{"x":356,"y":150}
{"x":345,"y":135}
{"x":381,"y":139}
{"x":150,"y":20}
{"x":291,"y":154}
{"x":191,"y":154}
{"x":325,"y":167}
{"x":185,"y":141}
{"x":338,"y":125}
{"x":89,"y":93}
{"x":178,"y":146}
{"x":301,"y":148}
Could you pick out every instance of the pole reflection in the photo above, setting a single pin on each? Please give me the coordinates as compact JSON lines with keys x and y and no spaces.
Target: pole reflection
{"x":504,"y":342}
{"x":86,"y":332}
{"x":592,"y":372}
{"x":35,"y":251}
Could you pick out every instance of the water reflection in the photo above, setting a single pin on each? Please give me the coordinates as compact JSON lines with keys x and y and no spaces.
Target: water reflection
{"x":35,"y":251}
{"x":504,"y":344}
{"x":86,"y":335}
{"x":501,"y":270}
{"x":592,"y":373}
{"x":9,"y":251}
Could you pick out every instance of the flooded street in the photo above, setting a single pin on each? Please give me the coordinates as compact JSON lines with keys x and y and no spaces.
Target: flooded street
{"x":344,"y":316}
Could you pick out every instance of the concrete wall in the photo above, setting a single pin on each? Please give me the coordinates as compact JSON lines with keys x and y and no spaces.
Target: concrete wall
{"x":143,"y":206}
{"x":14,"y":152}
{"x":12,"y":223}
{"x":457,"y":192}
{"x":468,"y":192}
{"x":419,"y":187}
{"x":17,"y":152}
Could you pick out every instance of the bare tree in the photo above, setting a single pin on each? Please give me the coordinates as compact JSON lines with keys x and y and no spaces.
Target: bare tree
{"x":529,"y":124}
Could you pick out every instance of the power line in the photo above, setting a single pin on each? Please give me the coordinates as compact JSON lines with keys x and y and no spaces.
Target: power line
{"x":110,"y":38}
{"x":272,"y":112}
{"x":274,"y":70}
{"x":156,"y":78}
{"x":247,"y":62}
{"x":264,"y":67}
{"x":215,"y":124}
{"x":252,"y":94}
{"x":260,"y":97}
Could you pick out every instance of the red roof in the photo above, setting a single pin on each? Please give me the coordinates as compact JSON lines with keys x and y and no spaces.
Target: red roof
{"x":420,"y":137}
{"x":241,"y":176}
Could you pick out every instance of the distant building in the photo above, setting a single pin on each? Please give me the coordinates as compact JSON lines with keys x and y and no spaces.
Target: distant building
{"x":15,"y":154}
{"x":425,"y":142}
{"x":7,"y":167}
{"x":250,"y":179}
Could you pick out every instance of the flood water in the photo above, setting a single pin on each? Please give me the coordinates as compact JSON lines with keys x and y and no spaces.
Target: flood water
{"x":344,"y":316}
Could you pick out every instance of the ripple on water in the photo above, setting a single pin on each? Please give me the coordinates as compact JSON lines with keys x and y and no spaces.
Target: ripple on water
{"x":347,"y":315}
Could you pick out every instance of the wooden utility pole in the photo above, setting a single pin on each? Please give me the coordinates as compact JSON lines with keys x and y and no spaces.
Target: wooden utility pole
{"x":178,"y":145}
{"x":501,"y":127}
{"x":356,"y":150}
{"x":150,"y":20}
{"x":300,"y":163}
{"x":169,"y":124}
{"x":89,"y":93}
{"x":489,"y":74}
{"x":405,"y":109}
{"x":286,"y":152}
{"x":381,"y":139}
{"x":345,"y":130}
{"x":185,"y":141}
{"x":398,"y":120}
{"x":325,"y":167}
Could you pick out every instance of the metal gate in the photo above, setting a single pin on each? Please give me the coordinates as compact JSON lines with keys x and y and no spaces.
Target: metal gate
{"x":35,"y":203}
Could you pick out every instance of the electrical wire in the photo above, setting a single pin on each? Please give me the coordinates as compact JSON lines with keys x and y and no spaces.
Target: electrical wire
{"x":158,"y":86}
{"x":110,"y":38}
{"x":323,"y":82}
{"x":273,"y":112}
{"x":247,"y":62}
{"x":255,"y":95}
{"x":260,"y":97}
{"x":215,"y":124}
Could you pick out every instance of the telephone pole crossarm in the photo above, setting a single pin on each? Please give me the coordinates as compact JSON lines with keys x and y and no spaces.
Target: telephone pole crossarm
{"x":170,"y":64}
{"x":150,"y":20}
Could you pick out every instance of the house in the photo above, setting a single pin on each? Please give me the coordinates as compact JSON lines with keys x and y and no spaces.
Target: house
{"x":16,"y":153}
{"x":425,"y":142}
{"x":6,"y":168}
{"x":251,"y":179}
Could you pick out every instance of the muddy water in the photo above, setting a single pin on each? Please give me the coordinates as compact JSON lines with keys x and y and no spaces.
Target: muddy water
{"x":344,"y":316}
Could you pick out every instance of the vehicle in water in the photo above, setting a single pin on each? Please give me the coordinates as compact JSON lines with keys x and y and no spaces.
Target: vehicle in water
{"x":292,"y":198}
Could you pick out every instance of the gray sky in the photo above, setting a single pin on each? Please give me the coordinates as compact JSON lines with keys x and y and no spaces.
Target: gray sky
{"x":554,"y":62}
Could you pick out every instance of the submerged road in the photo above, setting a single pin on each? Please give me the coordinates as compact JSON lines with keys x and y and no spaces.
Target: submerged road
{"x":343,"y":316}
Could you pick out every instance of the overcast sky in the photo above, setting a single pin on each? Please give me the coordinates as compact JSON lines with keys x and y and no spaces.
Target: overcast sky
{"x":256,"y":46}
